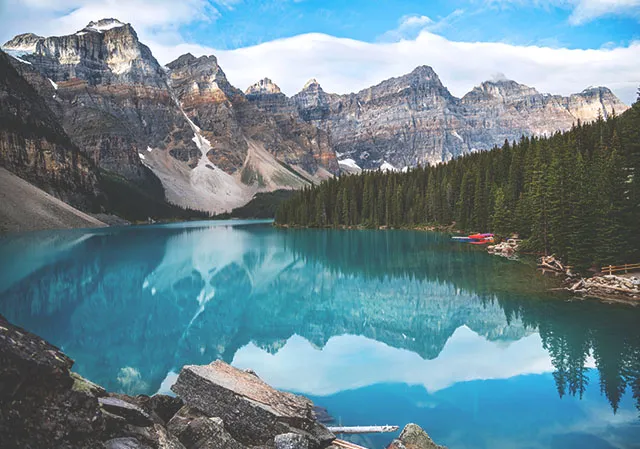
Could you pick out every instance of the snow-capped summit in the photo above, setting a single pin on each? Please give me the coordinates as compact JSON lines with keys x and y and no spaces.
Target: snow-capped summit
{"x":103,"y":25}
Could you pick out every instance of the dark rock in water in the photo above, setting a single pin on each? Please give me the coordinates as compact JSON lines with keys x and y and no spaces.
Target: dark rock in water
{"x":291,"y":441}
{"x":130,"y":412}
{"x":252,"y":411}
{"x":39,"y":408}
{"x":414,"y":437}
{"x":195,"y":430}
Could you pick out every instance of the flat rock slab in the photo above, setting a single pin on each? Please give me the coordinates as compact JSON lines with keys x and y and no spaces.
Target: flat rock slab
{"x":131,"y":413}
{"x":253,"y":412}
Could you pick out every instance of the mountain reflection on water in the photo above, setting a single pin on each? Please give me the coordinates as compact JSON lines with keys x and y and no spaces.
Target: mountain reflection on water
{"x":392,"y":326}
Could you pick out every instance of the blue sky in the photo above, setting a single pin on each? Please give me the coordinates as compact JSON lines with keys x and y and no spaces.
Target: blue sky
{"x":556,"y":46}
{"x":522,"y":23}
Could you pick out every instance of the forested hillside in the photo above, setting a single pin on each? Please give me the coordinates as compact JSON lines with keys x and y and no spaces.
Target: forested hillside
{"x":573,"y":194}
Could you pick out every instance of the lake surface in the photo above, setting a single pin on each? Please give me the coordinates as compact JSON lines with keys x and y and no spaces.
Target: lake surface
{"x":379,"y":327}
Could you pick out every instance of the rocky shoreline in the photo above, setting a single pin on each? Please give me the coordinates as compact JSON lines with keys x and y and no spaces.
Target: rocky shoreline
{"x":43,"y":404}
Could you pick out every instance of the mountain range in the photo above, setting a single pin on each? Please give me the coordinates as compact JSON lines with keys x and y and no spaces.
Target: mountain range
{"x":97,"y":102}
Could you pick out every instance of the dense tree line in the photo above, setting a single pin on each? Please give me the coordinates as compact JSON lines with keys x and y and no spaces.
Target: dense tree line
{"x":573,"y":194}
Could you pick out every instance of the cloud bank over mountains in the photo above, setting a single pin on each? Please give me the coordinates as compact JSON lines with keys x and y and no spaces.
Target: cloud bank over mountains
{"x":345,"y":65}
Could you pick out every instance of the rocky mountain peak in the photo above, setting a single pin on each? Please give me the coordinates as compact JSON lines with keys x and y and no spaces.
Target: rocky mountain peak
{"x":500,"y":91}
{"x":263,"y":87}
{"x":23,"y":42}
{"x":198,"y":79}
{"x":312,"y":84}
{"x":189,"y":60}
{"x":105,"y":51}
{"x":424,"y":71}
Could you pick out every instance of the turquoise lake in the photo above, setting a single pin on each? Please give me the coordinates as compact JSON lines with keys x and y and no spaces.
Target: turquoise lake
{"x":379,"y":327}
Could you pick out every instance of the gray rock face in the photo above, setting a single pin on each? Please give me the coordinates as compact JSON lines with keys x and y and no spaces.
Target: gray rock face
{"x":34,"y":145}
{"x":116,"y":102}
{"x":414,"y":119}
{"x":252,"y":411}
{"x":112,"y":94}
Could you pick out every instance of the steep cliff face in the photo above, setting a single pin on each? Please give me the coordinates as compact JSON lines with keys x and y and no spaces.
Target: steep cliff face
{"x":210,"y":147}
{"x":34,"y":145}
{"x":401,"y":121}
{"x":113,"y":94}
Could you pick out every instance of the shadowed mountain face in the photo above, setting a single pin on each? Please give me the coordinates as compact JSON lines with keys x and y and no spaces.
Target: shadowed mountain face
{"x":34,"y":145}
{"x":132,"y":306}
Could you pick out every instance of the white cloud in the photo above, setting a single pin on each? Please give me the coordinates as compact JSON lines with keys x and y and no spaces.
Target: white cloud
{"x":411,"y":21}
{"x":410,"y":26}
{"x":346,"y":65}
{"x":587,"y":10}
{"x":583,"y":11}
{"x":157,"y":20}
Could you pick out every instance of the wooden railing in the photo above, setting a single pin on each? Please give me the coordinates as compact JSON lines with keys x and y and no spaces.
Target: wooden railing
{"x":618,"y":268}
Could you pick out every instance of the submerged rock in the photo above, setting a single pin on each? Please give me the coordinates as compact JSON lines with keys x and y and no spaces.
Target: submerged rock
{"x":414,"y":437}
{"x":253,"y":412}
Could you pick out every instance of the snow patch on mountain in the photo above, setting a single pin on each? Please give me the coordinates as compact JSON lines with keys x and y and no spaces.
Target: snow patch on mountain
{"x":104,"y":25}
{"x":349,"y":166}
{"x":385,"y":166}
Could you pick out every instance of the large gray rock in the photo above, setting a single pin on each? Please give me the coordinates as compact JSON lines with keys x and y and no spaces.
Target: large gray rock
{"x":414,"y":437}
{"x":252,"y":411}
{"x":195,"y":430}
{"x":39,"y":407}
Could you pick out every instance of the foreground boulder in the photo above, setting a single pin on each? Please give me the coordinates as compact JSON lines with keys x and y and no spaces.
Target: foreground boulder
{"x":41,"y":404}
{"x":253,"y":412}
{"x":413,"y":437}
{"x":196,"y":430}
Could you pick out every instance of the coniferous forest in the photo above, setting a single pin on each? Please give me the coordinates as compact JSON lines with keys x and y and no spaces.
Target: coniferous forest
{"x":574,"y":194}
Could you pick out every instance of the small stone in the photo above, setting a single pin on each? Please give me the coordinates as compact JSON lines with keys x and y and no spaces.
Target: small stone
{"x":291,"y":441}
